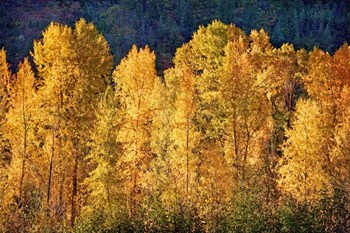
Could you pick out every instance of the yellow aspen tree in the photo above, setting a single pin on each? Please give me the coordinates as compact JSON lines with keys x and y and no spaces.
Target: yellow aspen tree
{"x":168,"y":166}
{"x":341,"y":148}
{"x":159,"y":136}
{"x":6,"y":82}
{"x":185,"y":138}
{"x":204,"y":56}
{"x":325,"y":80}
{"x":136,"y":80}
{"x":324,"y":132}
{"x":19,"y":125}
{"x":279,"y":77}
{"x":248,"y":119}
{"x":74,"y":66}
{"x":93,"y":66}
{"x":19,"y":130}
{"x":323,"y":85}
{"x":104,"y":182}
{"x":253,"y":108}
{"x":52,"y":56}
{"x":303,"y":167}
{"x":5,"y":91}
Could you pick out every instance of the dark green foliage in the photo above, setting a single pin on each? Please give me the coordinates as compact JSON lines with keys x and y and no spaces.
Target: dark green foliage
{"x":299,"y":217}
{"x":248,"y":212}
{"x":151,"y":218}
{"x":165,"y":25}
{"x":334,"y":211}
{"x":330,"y":214}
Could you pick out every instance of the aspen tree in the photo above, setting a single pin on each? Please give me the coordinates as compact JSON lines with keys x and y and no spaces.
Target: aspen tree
{"x":302,"y":169}
{"x":19,"y":127}
{"x":5,"y":91}
{"x":136,"y":80}
{"x":18,"y":130}
{"x":204,"y":56}
{"x":73,"y":66}
{"x":52,"y":56}
{"x":93,"y":66}
{"x":104,"y":183}
{"x":185,"y":138}
{"x":339,"y":155}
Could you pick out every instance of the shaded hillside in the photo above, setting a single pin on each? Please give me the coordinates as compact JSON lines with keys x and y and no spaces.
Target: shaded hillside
{"x":165,"y":25}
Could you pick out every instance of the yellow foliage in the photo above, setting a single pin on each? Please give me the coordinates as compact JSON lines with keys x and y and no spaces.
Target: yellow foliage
{"x":302,"y":170}
{"x":137,"y":89}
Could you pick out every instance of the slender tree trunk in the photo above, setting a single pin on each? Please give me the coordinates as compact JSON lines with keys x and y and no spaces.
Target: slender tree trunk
{"x":187,"y":159}
{"x":59,"y":155}
{"x":130,"y":210}
{"x":22,"y":181}
{"x":48,"y":196}
{"x":235,"y":159}
{"x":22,"y":178}
{"x":23,"y":168}
{"x":235,"y":136}
{"x":133,"y":181}
{"x":135,"y":165}
{"x":245,"y":156}
{"x":60,"y":197}
{"x":60,"y":212}
{"x":24,"y":155}
{"x":54,"y":128}
{"x":74,"y":187}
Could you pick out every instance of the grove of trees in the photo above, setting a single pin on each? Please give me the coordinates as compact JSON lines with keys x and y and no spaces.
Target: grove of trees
{"x":237,"y":136}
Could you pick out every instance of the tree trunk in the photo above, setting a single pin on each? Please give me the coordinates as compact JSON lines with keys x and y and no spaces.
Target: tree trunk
{"x":74,"y":188}
{"x":48,"y":196}
{"x":187,"y":159}
{"x":24,"y":155}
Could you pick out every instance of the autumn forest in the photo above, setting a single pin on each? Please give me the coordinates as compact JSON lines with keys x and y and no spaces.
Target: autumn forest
{"x":238,"y":135}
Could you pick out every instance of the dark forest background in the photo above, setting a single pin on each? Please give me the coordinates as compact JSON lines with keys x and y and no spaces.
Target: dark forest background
{"x":166,"y":25}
